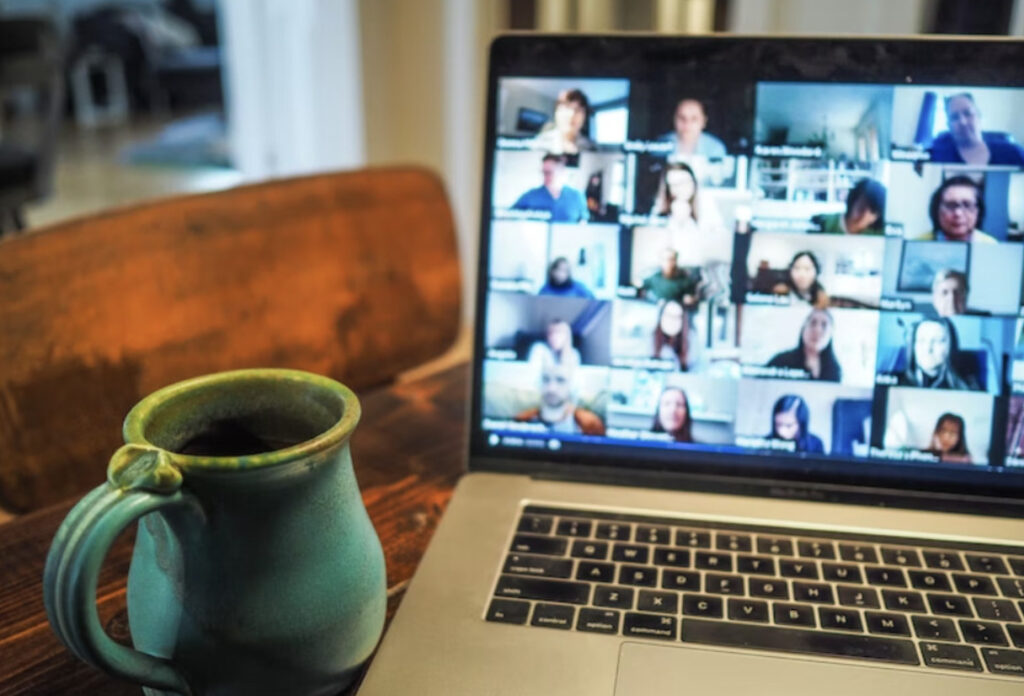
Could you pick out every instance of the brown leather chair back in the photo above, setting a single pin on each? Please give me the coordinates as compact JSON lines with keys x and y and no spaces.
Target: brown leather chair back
{"x":352,"y":275}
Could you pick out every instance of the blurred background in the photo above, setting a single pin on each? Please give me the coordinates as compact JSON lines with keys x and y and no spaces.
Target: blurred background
{"x":107,"y":102}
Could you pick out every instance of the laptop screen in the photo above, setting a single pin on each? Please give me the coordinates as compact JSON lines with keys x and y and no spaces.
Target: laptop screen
{"x":693,"y":257}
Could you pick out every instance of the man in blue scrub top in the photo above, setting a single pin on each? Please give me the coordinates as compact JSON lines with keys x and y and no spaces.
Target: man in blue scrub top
{"x":565,"y":203}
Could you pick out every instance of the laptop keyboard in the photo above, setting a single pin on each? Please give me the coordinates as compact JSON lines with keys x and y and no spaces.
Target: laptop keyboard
{"x":893,"y":600}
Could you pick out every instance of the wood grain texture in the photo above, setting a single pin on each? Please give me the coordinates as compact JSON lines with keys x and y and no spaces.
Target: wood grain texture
{"x":408,"y":453}
{"x":353,"y":275}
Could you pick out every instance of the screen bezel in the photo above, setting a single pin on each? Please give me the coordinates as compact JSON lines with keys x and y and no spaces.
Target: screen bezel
{"x":971,"y":61}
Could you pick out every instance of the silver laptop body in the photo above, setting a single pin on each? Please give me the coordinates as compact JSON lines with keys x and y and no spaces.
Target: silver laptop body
{"x":750,"y":302}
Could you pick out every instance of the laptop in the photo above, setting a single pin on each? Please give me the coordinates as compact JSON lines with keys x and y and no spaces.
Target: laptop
{"x":747,"y":409}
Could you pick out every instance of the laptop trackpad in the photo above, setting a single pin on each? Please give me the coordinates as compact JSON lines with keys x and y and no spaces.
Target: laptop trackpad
{"x":667,"y":671}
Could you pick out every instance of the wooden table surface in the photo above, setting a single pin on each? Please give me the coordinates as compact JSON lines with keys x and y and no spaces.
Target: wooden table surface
{"x":409,"y":450}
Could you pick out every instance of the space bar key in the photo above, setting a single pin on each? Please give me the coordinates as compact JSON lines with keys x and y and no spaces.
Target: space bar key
{"x":790,"y":640}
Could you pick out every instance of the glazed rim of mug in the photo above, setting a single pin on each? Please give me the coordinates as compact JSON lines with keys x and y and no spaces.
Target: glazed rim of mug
{"x":168,"y":418}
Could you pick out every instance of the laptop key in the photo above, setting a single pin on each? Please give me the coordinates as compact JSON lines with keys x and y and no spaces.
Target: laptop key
{"x":903,"y":600}
{"x":542,"y":589}
{"x":549,"y":546}
{"x":840,"y":619}
{"x":934,"y":628}
{"x":707,"y":560}
{"x":535,"y":524}
{"x":553,"y":616}
{"x":793,"y":614}
{"x":995,"y":609}
{"x":985,"y":632}
{"x":594,"y":550}
{"x":928,"y":580}
{"x":718,"y":583}
{"x":943,"y":560}
{"x":841,"y":572}
{"x":886,"y":624}
{"x":649,"y":626}
{"x":630,"y":553}
{"x":887,"y":577}
{"x":755,"y":565}
{"x":949,"y":605}
{"x":810,"y":548}
{"x":652,"y":535}
{"x":573,"y":528}
{"x":692,"y":538}
{"x":595,"y":571}
{"x":672,"y":557}
{"x":900,"y":557}
{"x":774,"y":588}
{"x":946,"y":656}
{"x":792,"y":640}
{"x":1016,"y":634}
{"x":798,"y":569}
{"x":702,"y":605}
{"x":642,"y":576}
{"x":1011,"y":587}
{"x":733,"y":542}
{"x":661,"y":602}
{"x":860,"y":553}
{"x":748,"y":610}
{"x":615,"y":597}
{"x":1016,"y":565}
{"x":777,"y":546}
{"x":858,"y":596}
{"x":680,"y":580}
{"x":1001,"y":661}
{"x":538,"y":566}
{"x":974,"y":584}
{"x":508,"y":611}
{"x":812,"y":592}
{"x":986,"y":564}
{"x":614,"y":531}
{"x":598,"y":621}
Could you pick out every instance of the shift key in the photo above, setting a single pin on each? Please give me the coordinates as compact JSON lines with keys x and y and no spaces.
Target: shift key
{"x":544,"y":590}
{"x":549,"y":546}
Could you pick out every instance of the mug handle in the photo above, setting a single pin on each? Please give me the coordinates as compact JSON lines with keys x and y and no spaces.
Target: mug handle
{"x":141,"y":479}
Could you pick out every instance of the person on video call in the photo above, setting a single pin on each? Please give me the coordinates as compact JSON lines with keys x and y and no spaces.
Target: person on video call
{"x":560,"y":282}
{"x":957,"y":210}
{"x":557,"y":348}
{"x":688,"y":134}
{"x":949,"y":440}
{"x":791,"y":422}
{"x":949,"y":292}
{"x":557,"y":409}
{"x":965,"y":142}
{"x":565,"y":203}
{"x":563,"y":135}
{"x":672,"y":282}
{"x":673,"y":415}
{"x":694,"y":224}
{"x":865,"y":211}
{"x":670,"y":334}
{"x":931,"y":348}
{"x":802,"y":280}
{"x":813,"y":352}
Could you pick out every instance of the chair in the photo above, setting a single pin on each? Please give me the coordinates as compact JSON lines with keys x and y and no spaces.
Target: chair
{"x":352,"y":275}
{"x":30,"y":87}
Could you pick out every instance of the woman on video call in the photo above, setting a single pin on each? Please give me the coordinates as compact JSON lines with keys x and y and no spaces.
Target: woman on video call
{"x":957,"y":211}
{"x":813,"y":352}
{"x":694,"y":225}
{"x":670,"y":334}
{"x":931,"y":347}
{"x":673,"y":415}
{"x":556,"y":349}
{"x":865,"y":211}
{"x":560,"y":282}
{"x":949,"y":440}
{"x":791,"y":422}
{"x":802,"y":281}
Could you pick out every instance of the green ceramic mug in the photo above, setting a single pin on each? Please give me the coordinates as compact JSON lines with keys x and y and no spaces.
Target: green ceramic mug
{"x":256,"y":569}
